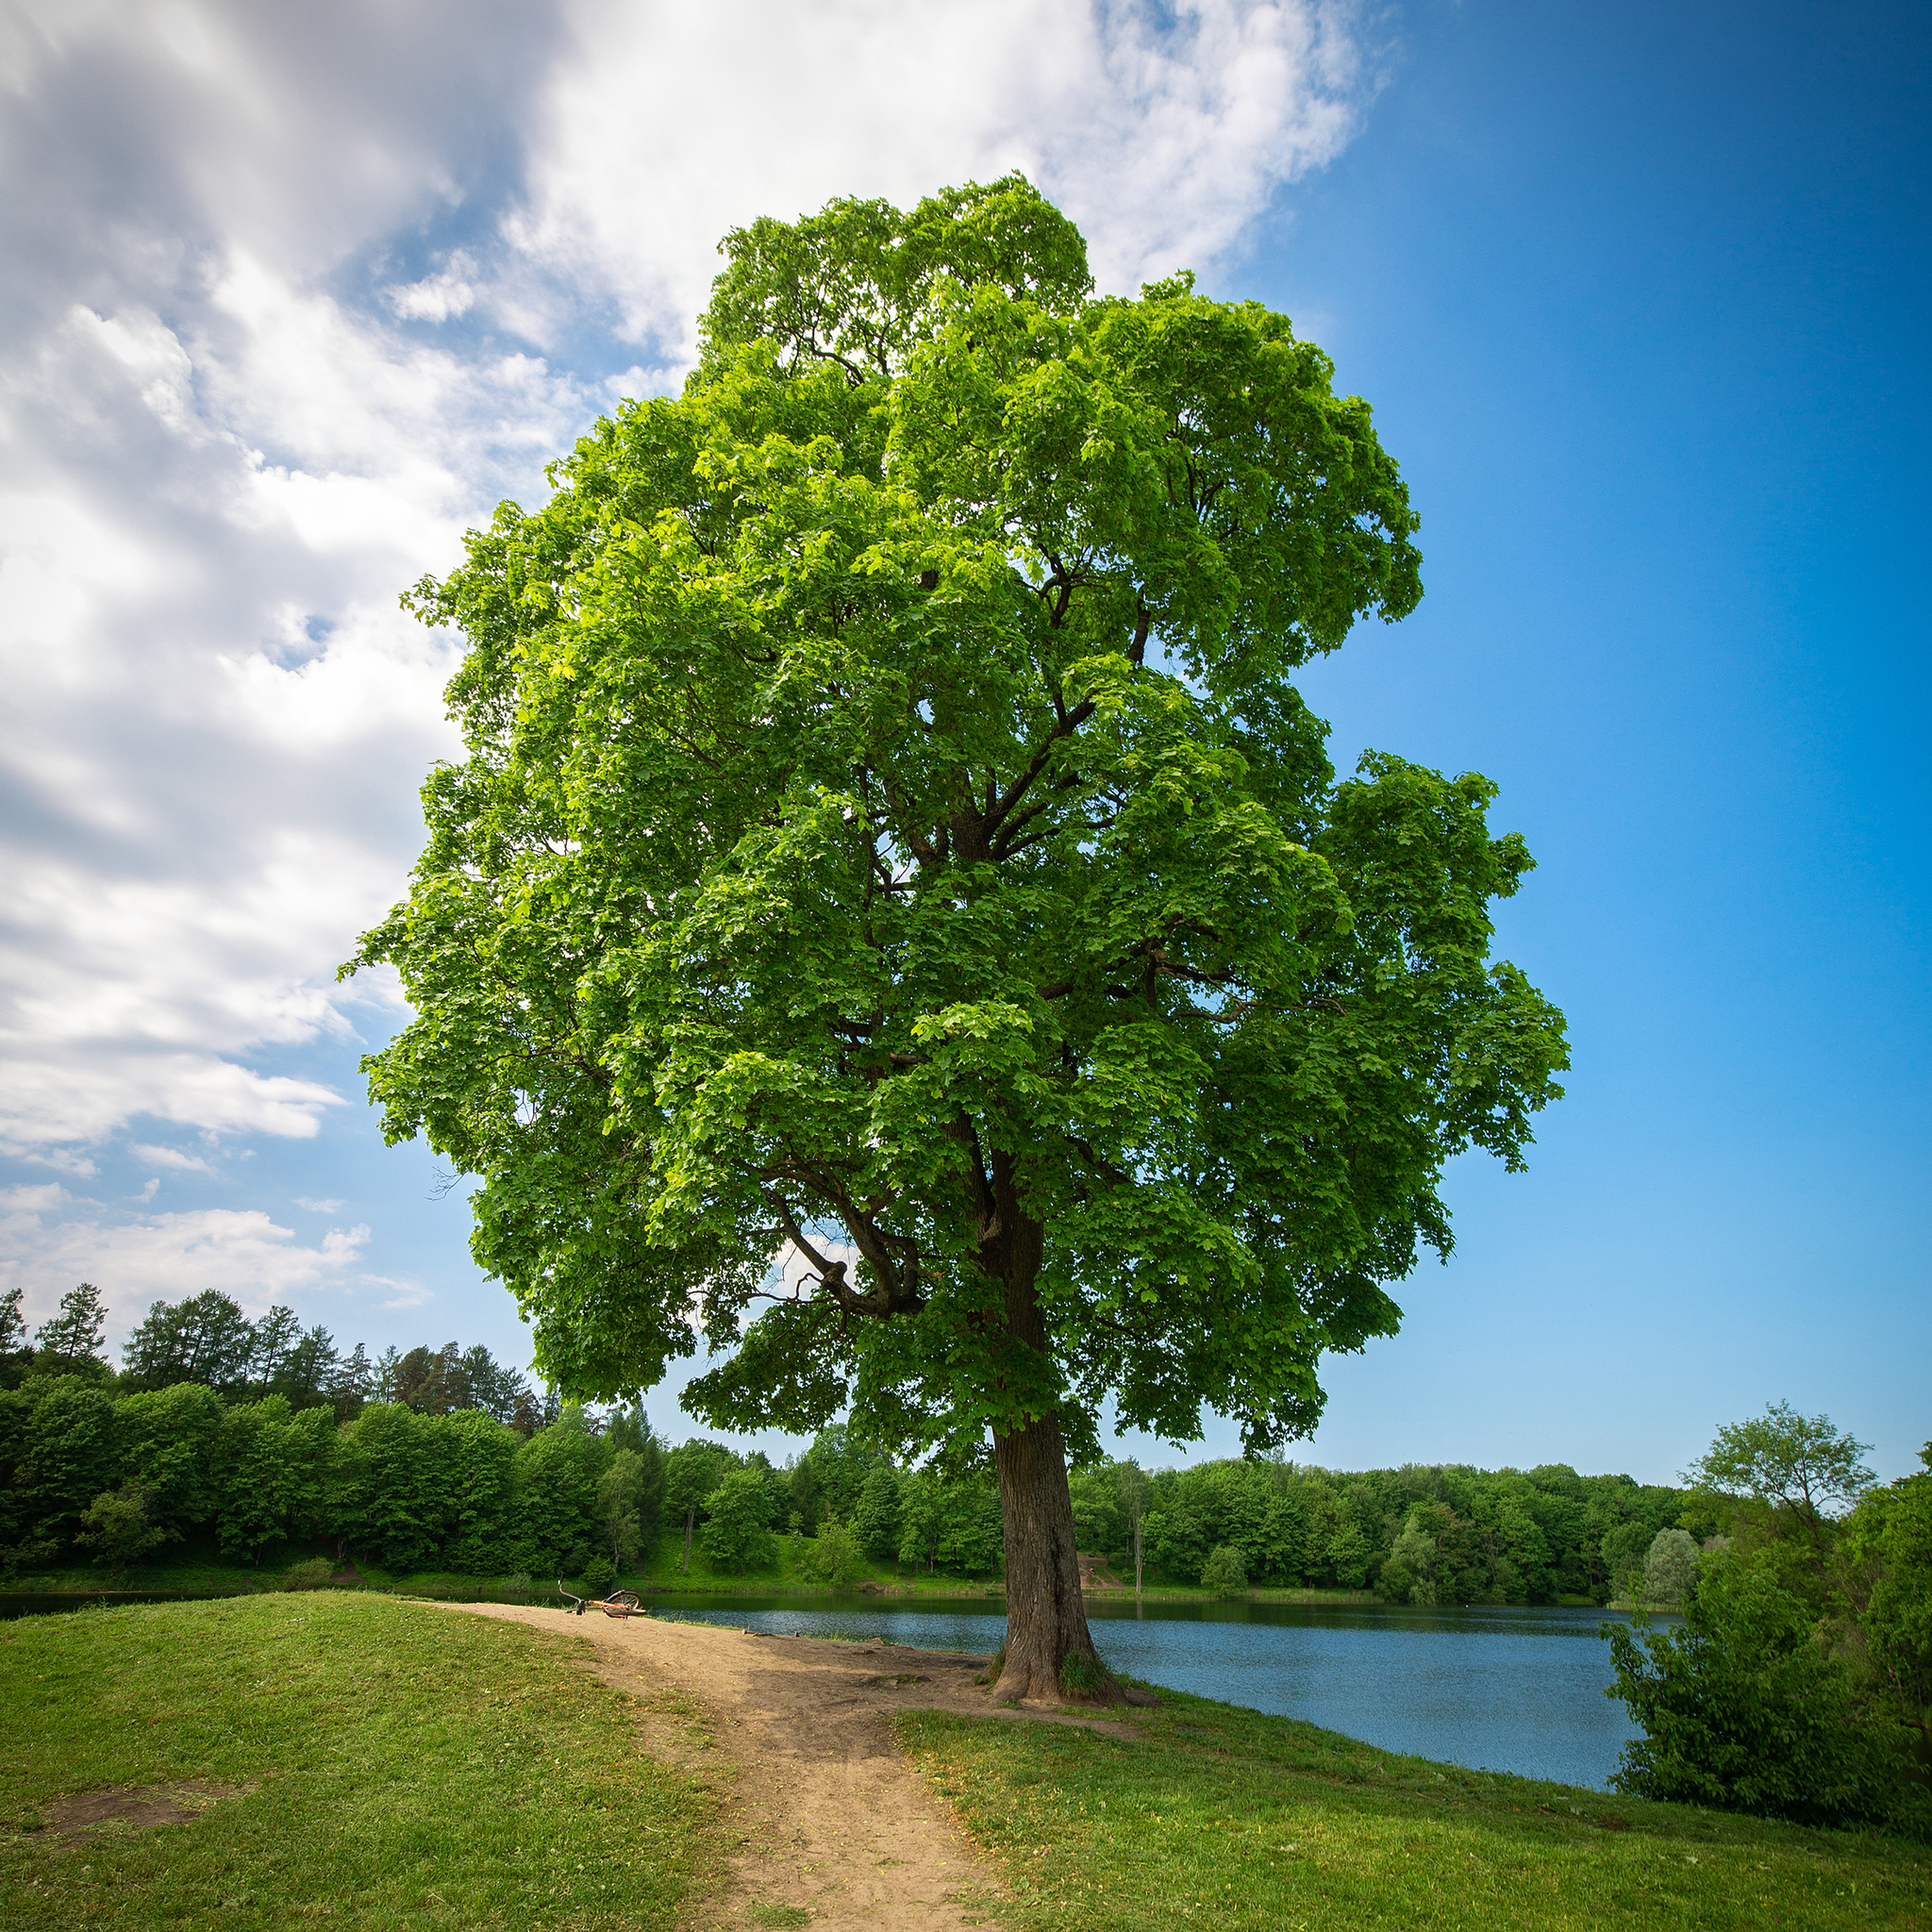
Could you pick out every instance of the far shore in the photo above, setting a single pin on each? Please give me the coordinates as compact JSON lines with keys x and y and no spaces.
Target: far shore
{"x":187,"y":1581}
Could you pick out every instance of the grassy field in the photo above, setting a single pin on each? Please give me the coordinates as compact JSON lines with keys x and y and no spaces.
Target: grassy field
{"x":370,"y":1764}
{"x":367,"y":1763}
{"x":1220,"y":1817}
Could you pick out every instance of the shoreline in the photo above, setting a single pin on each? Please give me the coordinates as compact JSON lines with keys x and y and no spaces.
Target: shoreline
{"x":31,"y":1595}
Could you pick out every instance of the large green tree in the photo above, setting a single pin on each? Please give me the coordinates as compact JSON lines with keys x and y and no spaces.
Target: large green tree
{"x":889,"y":831}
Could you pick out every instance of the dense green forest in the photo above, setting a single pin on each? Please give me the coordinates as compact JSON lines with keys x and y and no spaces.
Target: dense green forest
{"x":257,"y":1438}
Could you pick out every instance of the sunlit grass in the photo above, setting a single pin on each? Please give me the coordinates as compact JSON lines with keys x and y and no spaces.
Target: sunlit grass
{"x":1222,"y":1817}
{"x":393,"y":1765}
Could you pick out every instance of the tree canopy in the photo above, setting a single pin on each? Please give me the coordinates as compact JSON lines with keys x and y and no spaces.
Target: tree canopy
{"x":1800,"y":1683}
{"x":1799,"y":1466}
{"x":889,"y":830}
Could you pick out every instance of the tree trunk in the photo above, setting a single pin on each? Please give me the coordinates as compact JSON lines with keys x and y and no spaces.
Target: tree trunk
{"x":690,"y":1520}
{"x":1049,"y":1649}
{"x":1046,"y":1621}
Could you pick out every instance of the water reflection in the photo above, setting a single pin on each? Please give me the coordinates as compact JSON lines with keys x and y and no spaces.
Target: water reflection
{"x":1514,"y":1690}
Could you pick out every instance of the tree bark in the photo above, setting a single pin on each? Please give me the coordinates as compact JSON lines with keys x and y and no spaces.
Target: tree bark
{"x":1046,"y":1620}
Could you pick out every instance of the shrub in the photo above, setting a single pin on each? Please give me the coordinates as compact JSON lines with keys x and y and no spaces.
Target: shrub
{"x":599,"y":1572}
{"x":1225,"y":1571}
{"x":515,"y":1589}
{"x":832,"y":1555}
{"x":313,"y":1574}
{"x":116,"y":1526}
{"x":1742,"y":1710}
{"x":738,"y":1535}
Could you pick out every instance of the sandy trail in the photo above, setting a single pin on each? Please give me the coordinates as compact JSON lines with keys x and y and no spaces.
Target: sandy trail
{"x":828,"y":1814}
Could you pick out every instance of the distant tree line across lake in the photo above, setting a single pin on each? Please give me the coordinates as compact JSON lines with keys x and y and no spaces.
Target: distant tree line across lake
{"x":258,"y":1436}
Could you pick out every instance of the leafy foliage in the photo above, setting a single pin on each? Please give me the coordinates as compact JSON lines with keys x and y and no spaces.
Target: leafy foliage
{"x":1742,"y":1710}
{"x":1798,"y":1685}
{"x":832,"y":1555}
{"x":887,"y":818}
{"x":119,"y":1526}
{"x":206,"y":1339}
{"x":1669,"y":1566}
{"x":1886,"y":1552}
{"x":1465,"y":1534}
{"x":1225,"y":1571}
{"x":1802,"y":1468}
{"x":738,"y":1528}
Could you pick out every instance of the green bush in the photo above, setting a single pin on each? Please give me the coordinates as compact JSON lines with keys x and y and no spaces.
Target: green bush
{"x":832,"y":1555}
{"x":1225,"y":1571}
{"x":1744,"y":1709}
{"x":117,"y":1526}
{"x":313,"y":1574}
{"x":600,"y":1573}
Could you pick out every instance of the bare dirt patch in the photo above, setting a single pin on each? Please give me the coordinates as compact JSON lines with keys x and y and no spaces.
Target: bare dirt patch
{"x":828,"y":1816}
{"x":89,"y":1814}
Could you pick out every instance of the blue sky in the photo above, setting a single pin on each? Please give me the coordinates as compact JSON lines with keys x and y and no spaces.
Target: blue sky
{"x":1638,"y":299}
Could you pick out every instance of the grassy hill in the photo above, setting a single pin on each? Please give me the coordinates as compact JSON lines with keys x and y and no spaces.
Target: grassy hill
{"x":349,"y":1759}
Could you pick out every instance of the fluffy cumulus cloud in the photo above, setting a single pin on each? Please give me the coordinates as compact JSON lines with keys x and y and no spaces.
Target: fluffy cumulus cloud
{"x":298,"y":294}
{"x":53,"y":1240}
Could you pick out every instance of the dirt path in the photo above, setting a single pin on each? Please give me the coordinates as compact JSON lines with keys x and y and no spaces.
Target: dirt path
{"x":828,"y":1815}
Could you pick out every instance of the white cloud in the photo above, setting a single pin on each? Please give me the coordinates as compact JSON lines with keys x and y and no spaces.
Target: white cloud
{"x":438,"y":297}
{"x":31,"y":1201}
{"x":172,"y":1157}
{"x":315,"y":1207}
{"x":54,"y":1241}
{"x":402,"y":1294}
{"x":1162,"y":131}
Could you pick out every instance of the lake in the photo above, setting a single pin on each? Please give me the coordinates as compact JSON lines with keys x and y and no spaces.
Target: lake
{"x":1517,"y":1690}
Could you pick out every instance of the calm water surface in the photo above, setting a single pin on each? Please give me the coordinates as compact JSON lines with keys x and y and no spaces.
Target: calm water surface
{"x":1497,"y":1689}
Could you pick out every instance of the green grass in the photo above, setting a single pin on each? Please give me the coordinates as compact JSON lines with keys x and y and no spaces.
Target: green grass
{"x":1220,"y":1817}
{"x":393,"y":1765}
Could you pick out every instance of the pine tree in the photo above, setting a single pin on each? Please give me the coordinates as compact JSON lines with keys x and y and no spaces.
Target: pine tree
{"x":73,"y":1338}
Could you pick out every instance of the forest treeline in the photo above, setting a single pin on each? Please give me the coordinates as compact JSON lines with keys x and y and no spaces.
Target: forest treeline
{"x":88,"y":1470}
{"x":206,"y":1339}
{"x":261,"y":1435}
